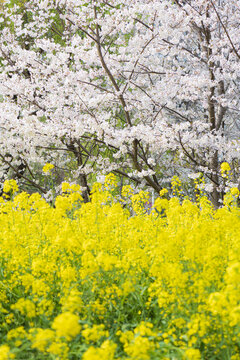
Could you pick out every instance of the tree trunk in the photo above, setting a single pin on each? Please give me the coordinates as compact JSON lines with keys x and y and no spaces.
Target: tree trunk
{"x":215,"y":195}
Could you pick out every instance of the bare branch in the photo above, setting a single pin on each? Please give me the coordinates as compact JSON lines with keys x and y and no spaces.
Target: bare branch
{"x":21,"y":175}
{"x":225,"y":30}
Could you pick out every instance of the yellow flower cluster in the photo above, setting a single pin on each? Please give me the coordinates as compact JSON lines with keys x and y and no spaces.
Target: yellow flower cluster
{"x":176,"y":185}
{"x":10,"y":186}
{"x":47,"y":168}
{"x":67,"y":325}
{"x":163,"y":192}
{"x":94,"y":333}
{"x":225,"y":167}
{"x":98,"y":281}
{"x":139,"y":202}
{"x":110,"y":181}
{"x":67,"y":188}
{"x":234,"y":191}
{"x":105,"y":351}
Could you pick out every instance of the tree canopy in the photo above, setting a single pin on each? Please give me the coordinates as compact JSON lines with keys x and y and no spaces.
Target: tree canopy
{"x":146,"y":89}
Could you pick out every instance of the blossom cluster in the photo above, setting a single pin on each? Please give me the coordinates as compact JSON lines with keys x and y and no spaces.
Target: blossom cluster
{"x":98,"y":280}
{"x":130,"y":86}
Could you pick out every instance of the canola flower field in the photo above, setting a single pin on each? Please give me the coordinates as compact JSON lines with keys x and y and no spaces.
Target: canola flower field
{"x":103,"y":281}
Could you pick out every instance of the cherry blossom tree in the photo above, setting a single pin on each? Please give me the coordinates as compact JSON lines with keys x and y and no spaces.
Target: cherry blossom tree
{"x":146,"y":89}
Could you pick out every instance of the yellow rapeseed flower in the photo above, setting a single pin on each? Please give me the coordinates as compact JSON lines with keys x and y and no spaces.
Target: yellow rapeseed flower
{"x":105,"y":351}
{"x":110,"y":181}
{"x":68,"y":188}
{"x":181,"y":262}
{"x":47,"y":168}
{"x":59,"y":349}
{"x":67,"y":325}
{"x":42,"y":339}
{"x":225,"y":167}
{"x":95,"y":333}
{"x":5,"y":353}
{"x":234,"y":191}
{"x":163,"y":192}
{"x":25,"y":307}
{"x":193,"y":354}
{"x":10,"y":186}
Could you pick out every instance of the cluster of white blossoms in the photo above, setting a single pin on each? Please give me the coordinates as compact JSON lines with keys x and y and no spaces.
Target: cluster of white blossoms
{"x":151,"y":85}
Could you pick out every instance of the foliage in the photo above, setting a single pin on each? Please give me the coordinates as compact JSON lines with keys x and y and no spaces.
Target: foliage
{"x":91,"y":281}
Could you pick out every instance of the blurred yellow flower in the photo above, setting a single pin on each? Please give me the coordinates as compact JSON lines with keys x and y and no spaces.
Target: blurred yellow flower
{"x":234,"y":191}
{"x":47,"y":168}
{"x":225,"y":167}
{"x":193,"y":354}
{"x":163,"y":192}
{"x":42,"y":339}
{"x":10,"y":186}
{"x":5,"y":353}
{"x":67,"y":325}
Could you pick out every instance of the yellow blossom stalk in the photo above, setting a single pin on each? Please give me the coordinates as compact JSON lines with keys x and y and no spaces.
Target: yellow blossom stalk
{"x":10,"y":186}
{"x":225,"y":169}
{"x":47,"y":168}
{"x":163,"y":192}
{"x":234,"y":191}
